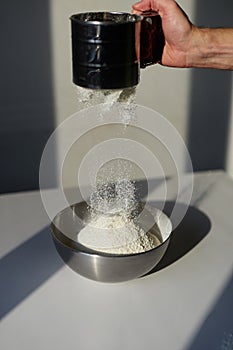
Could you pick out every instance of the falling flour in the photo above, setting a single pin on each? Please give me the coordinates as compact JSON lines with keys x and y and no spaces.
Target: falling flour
{"x":90,"y":97}
{"x":112,"y":227}
{"x":124,"y":98}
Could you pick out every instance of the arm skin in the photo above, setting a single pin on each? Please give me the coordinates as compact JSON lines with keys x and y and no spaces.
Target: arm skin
{"x":187,"y":45}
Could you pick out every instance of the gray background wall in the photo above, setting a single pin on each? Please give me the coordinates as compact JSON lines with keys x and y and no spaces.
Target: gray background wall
{"x":26,"y":99}
{"x":37,"y":92}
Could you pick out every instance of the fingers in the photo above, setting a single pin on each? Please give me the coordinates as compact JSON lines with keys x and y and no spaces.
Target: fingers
{"x":161,"y":6}
{"x":144,"y":5}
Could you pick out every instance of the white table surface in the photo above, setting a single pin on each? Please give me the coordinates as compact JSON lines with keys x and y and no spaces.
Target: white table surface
{"x":186,"y":305}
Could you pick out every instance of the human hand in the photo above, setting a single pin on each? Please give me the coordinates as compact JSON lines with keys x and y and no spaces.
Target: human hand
{"x":177,"y":28}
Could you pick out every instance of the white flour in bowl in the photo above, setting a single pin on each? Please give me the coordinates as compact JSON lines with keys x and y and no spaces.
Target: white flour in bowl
{"x":116,"y":234}
{"x":113,"y":228}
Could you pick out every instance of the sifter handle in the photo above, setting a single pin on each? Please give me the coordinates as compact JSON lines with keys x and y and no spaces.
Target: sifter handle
{"x":151,"y":39}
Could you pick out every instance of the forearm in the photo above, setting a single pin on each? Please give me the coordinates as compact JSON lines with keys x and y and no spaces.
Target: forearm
{"x":211,"y":48}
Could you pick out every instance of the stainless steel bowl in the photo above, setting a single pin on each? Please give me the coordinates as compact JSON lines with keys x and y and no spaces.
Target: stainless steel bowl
{"x":100,"y":266}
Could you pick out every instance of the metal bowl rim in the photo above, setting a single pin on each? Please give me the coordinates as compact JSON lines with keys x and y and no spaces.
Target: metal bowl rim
{"x":79,"y":248}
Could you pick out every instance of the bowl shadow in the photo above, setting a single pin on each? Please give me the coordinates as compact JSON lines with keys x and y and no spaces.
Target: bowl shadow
{"x":189,"y":233}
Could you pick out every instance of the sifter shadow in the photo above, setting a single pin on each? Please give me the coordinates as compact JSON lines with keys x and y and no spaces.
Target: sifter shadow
{"x":188,"y":234}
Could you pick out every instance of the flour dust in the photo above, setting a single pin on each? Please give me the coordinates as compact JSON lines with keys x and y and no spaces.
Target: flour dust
{"x":89,"y":98}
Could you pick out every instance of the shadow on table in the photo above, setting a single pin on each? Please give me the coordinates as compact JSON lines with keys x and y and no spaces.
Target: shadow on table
{"x":216,"y":332}
{"x":192,"y":229}
{"x":25,"y":268}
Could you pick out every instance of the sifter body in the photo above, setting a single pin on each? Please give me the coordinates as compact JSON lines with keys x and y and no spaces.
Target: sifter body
{"x":107,"y":46}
